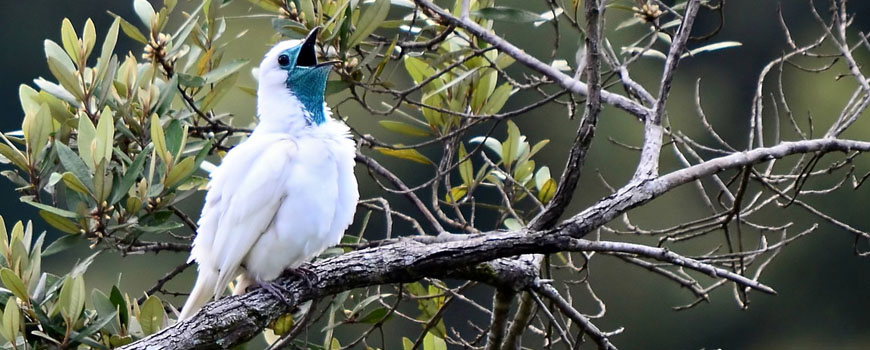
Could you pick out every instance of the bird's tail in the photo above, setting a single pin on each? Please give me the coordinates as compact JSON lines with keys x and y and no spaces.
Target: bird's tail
{"x":202,"y":292}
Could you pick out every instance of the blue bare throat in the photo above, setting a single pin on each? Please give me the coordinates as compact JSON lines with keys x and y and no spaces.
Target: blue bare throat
{"x":308,"y":85}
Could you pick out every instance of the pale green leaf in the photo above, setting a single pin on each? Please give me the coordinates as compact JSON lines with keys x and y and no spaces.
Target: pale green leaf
{"x":69,"y":40}
{"x":507,"y":14}
{"x":14,"y":283}
{"x":105,"y":138}
{"x":409,"y":154}
{"x":59,"y":222}
{"x":404,"y":128}
{"x":145,"y":12}
{"x":370,"y":19}
{"x":151,"y":315}
{"x":87,"y":134}
{"x":89,"y":38}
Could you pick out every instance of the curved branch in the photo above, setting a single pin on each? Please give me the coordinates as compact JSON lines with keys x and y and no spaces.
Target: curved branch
{"x":233,"y":320}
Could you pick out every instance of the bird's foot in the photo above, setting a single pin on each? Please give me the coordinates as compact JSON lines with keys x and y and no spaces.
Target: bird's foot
{"x":277,"y":291}
{"x":305,"y":274}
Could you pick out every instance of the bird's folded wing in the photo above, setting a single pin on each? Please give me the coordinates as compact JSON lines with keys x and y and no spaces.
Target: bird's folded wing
{"x":250,"y":209}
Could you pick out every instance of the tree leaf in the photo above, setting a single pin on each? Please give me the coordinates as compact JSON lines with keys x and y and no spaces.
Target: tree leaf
{"x":373,"y":16}
{"x":151,"y":315}
{"x":11,"y":321}
{"x":89,"y":38}
{"x":404,"y":128}
{"x":180,"y":172}
{"x":62,"y":244}
{"x":14,"y":283}
{"x":145,"y":12}
{"x":105,"y":137}
{"x":72,"y":182}
{"x":547,"y":191}
{"x":711,"y":47}
{"x":375,"y":316}
{"x":13,"y":155}
{"x":510,"y":146}
{"x":69,"y":40}
{"x":225,"y":70}
{"x":107,"y":49}
{"x":455,"y":194}
{"x":466,"y":168}
{"x":58,"y":211}
{"x":497,"y":99}
{"x":130,"y":175}
{"x":507,"y":14}
{"x":541,"y":177}
{"x":409,"y":154}
{"x":159,"y":140}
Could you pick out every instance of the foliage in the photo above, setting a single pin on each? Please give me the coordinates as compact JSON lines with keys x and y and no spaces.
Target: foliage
{"x":111,"y":146}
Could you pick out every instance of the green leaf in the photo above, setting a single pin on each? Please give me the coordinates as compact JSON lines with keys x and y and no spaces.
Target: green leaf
{"x":497,"y":99}
{"x":14,"y":283}
{"x":130,"y":175}
{"x":105,"y":138}
{"x":375,"y":316}
{"x":73,"y":183}
{"x":407,"y":344}
{"x":220,"y":73}
{"x":55,"y":52}
{"x":180,"y":172}
{"x":71,"y":299}
{"x":118,"y":300}
{"x":69,"y":40}
{"x":66,"y":77}
{"x":455,"y":194}
{"x":11,"y":321}
{"x":59,"y":222}
{"x":507,"y":14}
{"x":58,"y":211}
{"x":87,"y":135}
{"x":542,"y":176}
{"x":159,"y":140}
{"x":89,"y":38}
{"x":484,"y":88}
{"x":409,"y":154}
{"x":62,"y":244}
{"x":107,"y":49}
{"x":489,"y":142}
{"x":151,"y":315}
{"x":432,"y":342}
{"x":102,"y":322}
{"x":537,"y":147}
{"x":512,"y":224}
{"x":510,"y":146}
{"x":103,"y":180}
{"x":712,"y":47}
{"x":369,"y":21}
{"x":145,"y":12}
{"x":107,"y":312}
{"x":547,"y":191}
{"x":466,"y":168}
{"x":13,"y":155}
{"x":131,"y":30}
{"x":404,"y":128}
{"x":174,"y":134}
{"x":37,"y":129}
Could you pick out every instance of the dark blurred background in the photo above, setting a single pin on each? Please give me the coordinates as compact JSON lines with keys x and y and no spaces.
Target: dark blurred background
{"x":822,"y":284}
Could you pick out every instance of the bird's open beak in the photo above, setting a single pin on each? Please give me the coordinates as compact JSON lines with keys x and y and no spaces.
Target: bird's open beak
{"x":307,"y":55}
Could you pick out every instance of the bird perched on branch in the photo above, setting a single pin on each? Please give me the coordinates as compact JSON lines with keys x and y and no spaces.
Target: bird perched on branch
{"x":285,"y":194}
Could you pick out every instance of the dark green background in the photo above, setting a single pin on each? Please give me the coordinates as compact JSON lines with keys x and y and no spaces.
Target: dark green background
{"x":823,"y":286}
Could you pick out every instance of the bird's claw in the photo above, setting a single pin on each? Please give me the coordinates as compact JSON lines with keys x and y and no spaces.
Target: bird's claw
{"x":277,"y":291}
{"x":305,"y":274}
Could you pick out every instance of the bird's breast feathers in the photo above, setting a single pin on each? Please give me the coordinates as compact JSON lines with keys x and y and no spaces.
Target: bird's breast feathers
{"x":277,"y":200}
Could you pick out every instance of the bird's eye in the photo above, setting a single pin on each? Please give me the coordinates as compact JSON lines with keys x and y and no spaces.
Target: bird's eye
{"x":283,"y":60}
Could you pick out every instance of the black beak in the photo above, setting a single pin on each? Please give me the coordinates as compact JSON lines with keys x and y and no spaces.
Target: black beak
{"x":307,"y":56}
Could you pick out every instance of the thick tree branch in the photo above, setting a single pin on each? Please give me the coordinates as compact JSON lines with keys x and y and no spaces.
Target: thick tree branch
{"x":232,"y":320}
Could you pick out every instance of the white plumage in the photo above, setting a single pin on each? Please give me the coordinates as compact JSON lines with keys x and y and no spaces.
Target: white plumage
{"x":281,"y":197}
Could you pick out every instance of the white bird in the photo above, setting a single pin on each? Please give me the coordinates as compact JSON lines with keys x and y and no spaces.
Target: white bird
{"x":285,"y":194}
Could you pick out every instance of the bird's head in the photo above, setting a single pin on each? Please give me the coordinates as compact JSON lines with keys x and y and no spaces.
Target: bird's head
{"x":290,"y":70}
